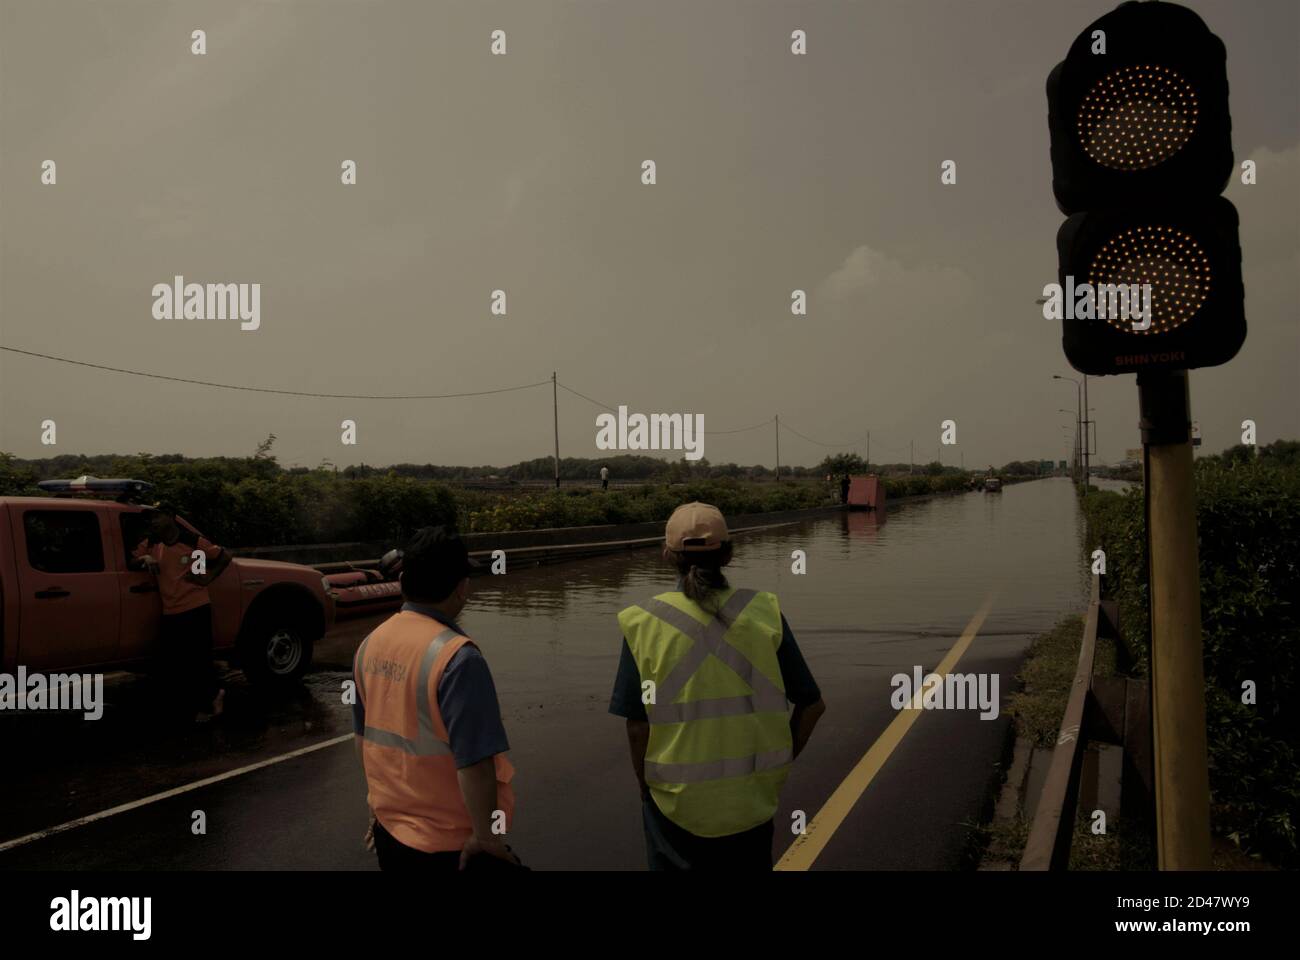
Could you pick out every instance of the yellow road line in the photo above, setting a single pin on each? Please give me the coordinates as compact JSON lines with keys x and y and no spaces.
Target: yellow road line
{"x":809,"y":845}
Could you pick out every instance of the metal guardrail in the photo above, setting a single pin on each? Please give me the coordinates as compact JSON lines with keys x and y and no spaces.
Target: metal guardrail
{"x":1113,"y":710}
{"x":337,"y":555}
{"x":548,"y":553}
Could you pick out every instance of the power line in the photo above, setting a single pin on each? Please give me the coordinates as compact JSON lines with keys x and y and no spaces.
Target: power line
{"x":287,"y":393}
{"x":819,"y":443}
{"x":742,"y":429}
{"x":587,"y":398}
{"x":363,"y":396}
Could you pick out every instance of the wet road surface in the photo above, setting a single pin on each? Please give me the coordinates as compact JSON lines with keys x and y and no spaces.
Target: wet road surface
{"x":878,"y":599}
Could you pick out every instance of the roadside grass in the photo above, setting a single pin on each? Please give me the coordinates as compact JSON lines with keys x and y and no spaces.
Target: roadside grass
{"x":999,"y":842}
{"x":1036,"y":711}
{"x":1129,"y":848}
{"x":1114,"y":850}
{"x":1047,"y":674}
{"x":1002,"y":842}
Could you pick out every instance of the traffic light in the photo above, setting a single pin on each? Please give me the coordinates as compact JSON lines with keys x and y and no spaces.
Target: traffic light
{"x":1141,"y":151}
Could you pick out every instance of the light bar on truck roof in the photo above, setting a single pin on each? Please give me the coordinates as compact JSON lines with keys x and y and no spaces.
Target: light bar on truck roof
{"x":121,"y":487}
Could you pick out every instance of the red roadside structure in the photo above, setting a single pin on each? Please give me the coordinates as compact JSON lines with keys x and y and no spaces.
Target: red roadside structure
{"x":866,"y":492}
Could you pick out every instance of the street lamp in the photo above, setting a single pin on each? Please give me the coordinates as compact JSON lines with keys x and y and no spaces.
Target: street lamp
{"x":1080,"y":396}
{"x":1082,"y":404}
{"x":1077,"y":456}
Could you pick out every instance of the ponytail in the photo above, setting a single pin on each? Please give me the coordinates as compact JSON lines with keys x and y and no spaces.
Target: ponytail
{"x":701,"y":572}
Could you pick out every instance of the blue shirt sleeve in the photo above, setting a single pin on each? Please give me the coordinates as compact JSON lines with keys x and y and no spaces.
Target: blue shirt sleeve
{"x":626,"y":701}
{"x":358,"y":708}
{"x":358,"y":717}
{"x":467,"y":700}
{"x":800,"y":687}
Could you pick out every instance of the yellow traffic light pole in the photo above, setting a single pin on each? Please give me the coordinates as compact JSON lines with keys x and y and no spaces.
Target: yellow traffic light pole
{"x":1177,"y":668}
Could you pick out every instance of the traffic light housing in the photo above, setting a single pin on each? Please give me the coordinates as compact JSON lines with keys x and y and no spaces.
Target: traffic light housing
{"x":1141,"y":149}
{"x":1190,"y":256}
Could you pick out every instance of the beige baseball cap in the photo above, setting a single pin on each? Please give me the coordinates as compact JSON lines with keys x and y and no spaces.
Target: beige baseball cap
{"x":695,"y":527}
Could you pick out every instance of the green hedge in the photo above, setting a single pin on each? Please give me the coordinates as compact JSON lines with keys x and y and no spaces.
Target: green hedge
{"x":15,"y":479}
{"x":918,"y":484}
{"x":643,"y":504}
{"x":253,"y":502}
{"x":316,"y":507}
{"x":1248,"y":526}
{"x":649,"y":502}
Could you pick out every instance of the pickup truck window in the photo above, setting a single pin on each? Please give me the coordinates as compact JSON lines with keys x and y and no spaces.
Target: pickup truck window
{"x":135,"y":527}
{"x":64,"y":541}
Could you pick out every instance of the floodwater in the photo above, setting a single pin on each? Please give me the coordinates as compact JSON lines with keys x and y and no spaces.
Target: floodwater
{"x":923,"y":569}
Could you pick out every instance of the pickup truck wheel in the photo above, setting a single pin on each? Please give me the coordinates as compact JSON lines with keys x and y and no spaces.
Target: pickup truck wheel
{"x":277,"y":650}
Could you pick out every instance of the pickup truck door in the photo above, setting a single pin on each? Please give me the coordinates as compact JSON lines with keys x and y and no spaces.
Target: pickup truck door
{"x":141,"y":602}
{"x":67,"y":587}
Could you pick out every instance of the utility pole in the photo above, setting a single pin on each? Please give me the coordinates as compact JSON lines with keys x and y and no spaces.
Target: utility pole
{"x":868,"y":451}
{"x":1087,"y":443}
{"x":1076,"y":468}
{"x":777,"y":430}
{"x":555,"y":406}
{"x":1177,"y":666}
{"x":911,"y":456}
{"x":1079,"y":414}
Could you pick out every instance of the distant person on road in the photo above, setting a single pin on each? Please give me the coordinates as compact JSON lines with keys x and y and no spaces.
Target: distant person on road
{"x":186,"y":625}
{"x":844,"y":489}
{"x":428,"y":725}
{"x":604,"y":478}
{"x":711,"y":736}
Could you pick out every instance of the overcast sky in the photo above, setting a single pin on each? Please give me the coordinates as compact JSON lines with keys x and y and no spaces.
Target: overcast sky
{"x":523,"y":173}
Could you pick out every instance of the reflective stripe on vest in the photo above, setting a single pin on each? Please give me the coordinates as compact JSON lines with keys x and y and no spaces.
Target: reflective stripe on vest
{"x":426,"y":742}
{"x":710,"y":639}
{"x":717,"y":769}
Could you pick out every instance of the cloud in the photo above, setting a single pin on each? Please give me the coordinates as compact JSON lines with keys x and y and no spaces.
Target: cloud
{"x":869,"y":274}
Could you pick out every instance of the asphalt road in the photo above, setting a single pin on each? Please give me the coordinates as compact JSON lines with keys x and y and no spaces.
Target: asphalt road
{"x":578,"y":804}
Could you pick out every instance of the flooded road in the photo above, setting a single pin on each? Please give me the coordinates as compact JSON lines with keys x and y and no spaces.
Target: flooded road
{"x":551,"y":631}
{"x":880,"y":597}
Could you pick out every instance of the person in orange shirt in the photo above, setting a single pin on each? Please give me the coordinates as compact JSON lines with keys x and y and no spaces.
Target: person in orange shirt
{"x":186,"y":625}
{"x":428,"y":725}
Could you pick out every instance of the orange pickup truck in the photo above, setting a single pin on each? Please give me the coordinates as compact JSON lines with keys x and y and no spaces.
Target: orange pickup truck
{"x":71,"y":600}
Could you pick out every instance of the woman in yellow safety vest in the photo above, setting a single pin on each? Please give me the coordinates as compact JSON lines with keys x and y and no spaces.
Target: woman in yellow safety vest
{"x":706,"y":673}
